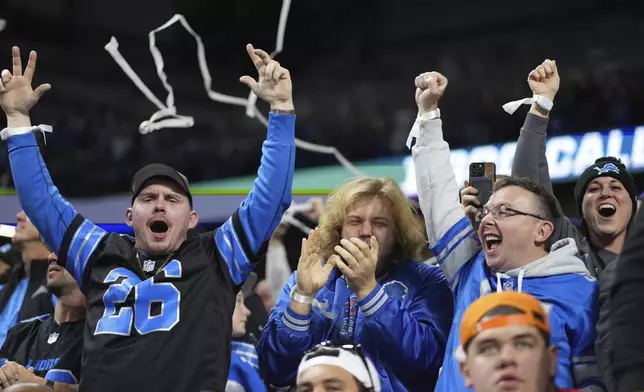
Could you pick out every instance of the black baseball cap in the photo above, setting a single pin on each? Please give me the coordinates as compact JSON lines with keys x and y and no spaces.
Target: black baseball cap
{"x":158,"y":170}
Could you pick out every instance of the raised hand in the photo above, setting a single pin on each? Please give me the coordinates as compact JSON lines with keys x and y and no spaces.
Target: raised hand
{"x":430,"y":87}
{"x":16,"y":95}
{"x":544,"y":80}
{"x":274,"y":85}
{"x":358,"y":262}
{"x":312,"y":275}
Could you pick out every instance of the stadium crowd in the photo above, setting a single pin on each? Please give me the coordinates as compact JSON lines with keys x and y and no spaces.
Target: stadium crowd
{"x":490,"y":290}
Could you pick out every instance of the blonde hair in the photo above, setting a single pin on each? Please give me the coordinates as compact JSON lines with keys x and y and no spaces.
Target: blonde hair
{"x":411,"y":240}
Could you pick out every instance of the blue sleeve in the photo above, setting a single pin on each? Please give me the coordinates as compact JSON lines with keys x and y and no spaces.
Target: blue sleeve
{"x":72,"y":238}
{"x":243,"y":376}
{"x":411,"y":339}
{"x":284,"y":340}
{"x":244,"y":235}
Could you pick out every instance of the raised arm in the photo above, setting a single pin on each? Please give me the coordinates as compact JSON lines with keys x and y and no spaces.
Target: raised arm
{"x":241,"y":237}
{"x":449,"y":231}
{"x":532,"y":162}
{"x":543,"y":81}
{"x":56,"y":220}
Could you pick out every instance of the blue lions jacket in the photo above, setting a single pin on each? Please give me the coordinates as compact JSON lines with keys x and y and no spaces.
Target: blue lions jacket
{"x":559,"y":280}
{"x":243,"y":375}
{"x":402,"y":326}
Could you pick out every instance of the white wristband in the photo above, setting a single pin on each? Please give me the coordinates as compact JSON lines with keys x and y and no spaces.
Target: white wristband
{"x":9,"y":132}
{"x":415,"y":130}
{"x":303,"y":299}
{"x":543,"y":102}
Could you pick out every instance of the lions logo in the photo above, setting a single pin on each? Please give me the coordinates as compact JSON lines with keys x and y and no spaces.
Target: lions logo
{"x":395,"y":289}
{"x":607,"y":168}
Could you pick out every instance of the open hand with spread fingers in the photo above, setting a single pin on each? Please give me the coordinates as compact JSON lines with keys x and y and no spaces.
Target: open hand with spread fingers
{"x":274,"y":83}
{"x":544,"y":80}
{"x":16,"y":95}
{"x":358,"y":261}
{"x":430,"y":87}
{"x":312,"y":274}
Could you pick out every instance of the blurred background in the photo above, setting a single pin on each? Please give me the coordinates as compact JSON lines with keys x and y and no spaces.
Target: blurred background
{"x":353,"y":64}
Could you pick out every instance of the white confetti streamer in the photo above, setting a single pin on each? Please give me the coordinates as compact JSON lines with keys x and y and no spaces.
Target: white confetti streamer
{"x":167,"y":117}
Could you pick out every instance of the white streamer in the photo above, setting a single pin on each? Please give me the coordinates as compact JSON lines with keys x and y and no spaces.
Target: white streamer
{"x":160,"y":118}
{"x":544,"y":103}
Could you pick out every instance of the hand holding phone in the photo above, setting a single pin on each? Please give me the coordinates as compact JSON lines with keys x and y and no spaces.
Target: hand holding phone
{"x":482,"y":177}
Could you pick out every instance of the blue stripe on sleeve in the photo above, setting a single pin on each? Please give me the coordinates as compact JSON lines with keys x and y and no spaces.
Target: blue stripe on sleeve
{"x":82,"y":246}
{"x":232,"y":252}
{"x":62,"y":376}
{"x":453,"y":232}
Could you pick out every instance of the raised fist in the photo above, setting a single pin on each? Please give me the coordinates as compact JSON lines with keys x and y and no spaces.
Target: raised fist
{"x":430,"y":87}
{"x":544,"y":80}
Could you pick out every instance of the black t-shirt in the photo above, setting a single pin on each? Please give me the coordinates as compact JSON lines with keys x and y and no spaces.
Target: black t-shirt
{"x":165,"y":330}
{"x":54,"y":351}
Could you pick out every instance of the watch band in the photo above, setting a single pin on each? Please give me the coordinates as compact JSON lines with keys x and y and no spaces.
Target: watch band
{"x":303,"y":299}
{"x":282,"y":111}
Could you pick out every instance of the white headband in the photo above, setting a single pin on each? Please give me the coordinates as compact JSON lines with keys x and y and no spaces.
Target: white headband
{"x":348,"y":361}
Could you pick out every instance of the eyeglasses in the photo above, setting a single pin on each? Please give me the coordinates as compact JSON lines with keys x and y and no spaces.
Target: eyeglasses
{"x":333,"y":350}
{"x":502,"y":212}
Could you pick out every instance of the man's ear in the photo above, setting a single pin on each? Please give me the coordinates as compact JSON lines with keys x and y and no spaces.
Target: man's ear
{"x":544,"y":231}
{"x":465,"y":372}
{"x":194,"y":219}
{"x":128,"y":217}
{"x":554,"y":360}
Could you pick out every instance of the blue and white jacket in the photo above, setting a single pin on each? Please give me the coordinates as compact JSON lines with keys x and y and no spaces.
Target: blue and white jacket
{"x":402,"y":326}
{"x":243,"y":375}
{"x":559,"y":280}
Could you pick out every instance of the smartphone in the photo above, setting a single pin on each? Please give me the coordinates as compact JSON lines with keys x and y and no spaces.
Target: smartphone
{"x":482,"y":177}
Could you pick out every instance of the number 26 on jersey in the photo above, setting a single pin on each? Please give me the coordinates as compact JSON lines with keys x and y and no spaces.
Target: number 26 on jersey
{"x":120,"y":321}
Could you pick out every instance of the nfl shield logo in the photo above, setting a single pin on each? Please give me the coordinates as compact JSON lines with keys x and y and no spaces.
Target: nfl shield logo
{"x":148,"y":265}
{"x":52,"y":338}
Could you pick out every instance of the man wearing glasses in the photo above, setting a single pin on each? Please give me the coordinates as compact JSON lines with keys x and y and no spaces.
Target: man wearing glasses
{"x":337,"y":368}
{"x":509,"y":251}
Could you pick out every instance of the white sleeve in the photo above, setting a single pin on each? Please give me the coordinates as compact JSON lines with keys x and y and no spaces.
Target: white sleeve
{"x":451,"y":236}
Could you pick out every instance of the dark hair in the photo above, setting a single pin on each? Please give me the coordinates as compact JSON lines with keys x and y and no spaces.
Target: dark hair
{"x":547,"y":203}
{"x":504,"y":310}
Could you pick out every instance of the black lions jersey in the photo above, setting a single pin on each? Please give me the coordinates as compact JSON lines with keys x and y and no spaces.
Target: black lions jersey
{"x":179,"y":320}
{"x":171,"y":330}
{"x":54,"y":351}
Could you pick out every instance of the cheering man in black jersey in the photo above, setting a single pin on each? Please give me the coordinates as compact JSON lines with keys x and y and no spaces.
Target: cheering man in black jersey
{"x":160,"y":304}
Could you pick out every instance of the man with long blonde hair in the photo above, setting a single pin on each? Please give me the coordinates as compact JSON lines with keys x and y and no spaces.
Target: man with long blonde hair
{"x":361,"y":280}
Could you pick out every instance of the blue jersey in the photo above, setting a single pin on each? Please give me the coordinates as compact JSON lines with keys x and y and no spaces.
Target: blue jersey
{"x":402,"y":326}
